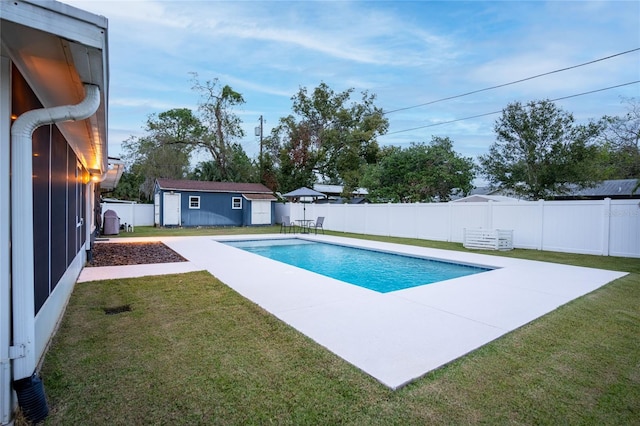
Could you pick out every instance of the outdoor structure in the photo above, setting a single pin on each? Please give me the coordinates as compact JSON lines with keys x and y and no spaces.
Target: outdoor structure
{"x":488,"y":239}
{"x":201,"y":203}
{"x":333,"y":194}
{"x":54,"y":92}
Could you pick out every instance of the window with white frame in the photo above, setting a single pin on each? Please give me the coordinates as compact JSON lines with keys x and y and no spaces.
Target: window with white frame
{"x":236,"y":203}
{"x":194,"y":202}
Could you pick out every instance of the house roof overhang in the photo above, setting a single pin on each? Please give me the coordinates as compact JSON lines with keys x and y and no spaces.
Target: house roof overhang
{"x":114,"y":173}
{"x":58,"y":48}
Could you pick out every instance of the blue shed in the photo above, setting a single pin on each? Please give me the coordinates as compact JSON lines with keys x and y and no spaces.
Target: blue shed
{"x":201,"y":203}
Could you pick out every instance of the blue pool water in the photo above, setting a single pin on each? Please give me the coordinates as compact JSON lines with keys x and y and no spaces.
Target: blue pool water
{"x":378,"y":271}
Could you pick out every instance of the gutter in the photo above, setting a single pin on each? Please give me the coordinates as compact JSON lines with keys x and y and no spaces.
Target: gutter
{"x":23,"y":312}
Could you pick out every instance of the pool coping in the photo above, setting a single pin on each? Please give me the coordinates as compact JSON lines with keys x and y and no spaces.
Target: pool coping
{"x":395,"y":337}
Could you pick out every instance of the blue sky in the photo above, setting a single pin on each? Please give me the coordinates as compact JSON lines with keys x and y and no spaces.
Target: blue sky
{"x":405,"y":52}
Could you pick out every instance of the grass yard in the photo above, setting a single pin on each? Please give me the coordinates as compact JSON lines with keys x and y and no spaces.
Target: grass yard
{"x":192,"y":351}
{"x":152,"y":231}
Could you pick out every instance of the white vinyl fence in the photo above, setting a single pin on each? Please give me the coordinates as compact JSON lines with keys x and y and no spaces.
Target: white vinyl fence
{"x":131,"y":213}
{"x":601,"y":227}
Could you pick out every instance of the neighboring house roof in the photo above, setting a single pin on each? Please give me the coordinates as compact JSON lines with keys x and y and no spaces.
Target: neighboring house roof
{"x":483,"y":190}
{"x":483,"y":198}
{"x":359,"y":200}
{"x":116,"y":201}
{"x":336,"y":189}
{"x":206,"y":186}
{"x":617,"y":188}
{"x":342,"y":200}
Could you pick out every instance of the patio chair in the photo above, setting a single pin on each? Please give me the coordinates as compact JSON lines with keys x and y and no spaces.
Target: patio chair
{"x":286,"y":225}
{"x":318,"y":224}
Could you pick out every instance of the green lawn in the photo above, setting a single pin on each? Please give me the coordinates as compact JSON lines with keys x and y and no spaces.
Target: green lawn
{"x":192,"y":351}
{"x":151,"y":231}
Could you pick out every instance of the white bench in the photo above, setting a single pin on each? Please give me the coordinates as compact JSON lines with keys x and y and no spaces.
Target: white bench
{"x":488,"y":239}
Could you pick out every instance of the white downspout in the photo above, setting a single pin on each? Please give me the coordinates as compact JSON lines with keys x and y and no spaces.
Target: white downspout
{"x":24,"y":362}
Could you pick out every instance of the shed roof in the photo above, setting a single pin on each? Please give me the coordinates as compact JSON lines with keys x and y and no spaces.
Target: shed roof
{"x":206,"y":186}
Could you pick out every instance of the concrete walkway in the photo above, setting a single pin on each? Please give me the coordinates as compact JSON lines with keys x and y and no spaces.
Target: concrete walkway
{"x":395,"y":337}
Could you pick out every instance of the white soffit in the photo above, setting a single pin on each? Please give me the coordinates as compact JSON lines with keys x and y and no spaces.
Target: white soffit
{"x":57,"y":48}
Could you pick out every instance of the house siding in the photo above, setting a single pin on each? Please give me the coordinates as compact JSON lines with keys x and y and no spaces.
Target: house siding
{"x":215,"y":210}
{"x":58,"y":198}
{"x":59,"y":158}
{"x":41,"y":202}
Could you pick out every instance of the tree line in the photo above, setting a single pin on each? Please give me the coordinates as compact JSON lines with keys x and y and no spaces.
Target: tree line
{"x":332,"y":137}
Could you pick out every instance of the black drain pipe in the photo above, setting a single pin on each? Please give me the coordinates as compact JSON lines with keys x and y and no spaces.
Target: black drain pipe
{"x":31,"y":398}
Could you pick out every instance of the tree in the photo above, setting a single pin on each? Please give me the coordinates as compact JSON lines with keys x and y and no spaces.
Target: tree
{"x":540,"y":152}
{"x":327,"y":138}
{"x":172,"y":136}
{"x":222,"y":126}
{"x":269,"y":163}
{"x":621,"y":140}
{"x":165,"y":151}
{"x":130,"y":186}
{"x":297,"y":157}
{"x":240,"y":169}
{"x":178,"y":126}
{"x":420,"y":173}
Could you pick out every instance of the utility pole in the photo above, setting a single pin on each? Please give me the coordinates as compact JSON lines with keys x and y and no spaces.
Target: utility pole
{"x":259,"y":133}
{"x":261,"y":123}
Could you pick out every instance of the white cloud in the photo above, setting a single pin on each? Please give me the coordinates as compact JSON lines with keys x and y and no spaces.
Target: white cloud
{"x":407,"y":53}
{"x":153,"y":104}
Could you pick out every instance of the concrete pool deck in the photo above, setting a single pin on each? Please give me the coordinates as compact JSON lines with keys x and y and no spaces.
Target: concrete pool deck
{"x":395,"y":337}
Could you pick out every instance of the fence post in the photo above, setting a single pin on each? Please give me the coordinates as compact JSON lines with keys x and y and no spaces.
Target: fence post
{"x":606,"y":225}
{"x":541,"y":224}
{"x":450,"y":220}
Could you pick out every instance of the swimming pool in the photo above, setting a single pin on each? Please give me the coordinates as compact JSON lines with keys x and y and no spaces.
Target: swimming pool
{"x":378,"y":271}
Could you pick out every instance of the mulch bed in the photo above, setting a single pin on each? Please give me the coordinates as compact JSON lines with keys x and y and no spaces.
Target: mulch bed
{"x":116,"y":254}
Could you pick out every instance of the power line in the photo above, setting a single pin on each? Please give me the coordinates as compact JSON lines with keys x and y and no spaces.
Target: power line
{"x":498,"y":112}
{"x":513,"y":82}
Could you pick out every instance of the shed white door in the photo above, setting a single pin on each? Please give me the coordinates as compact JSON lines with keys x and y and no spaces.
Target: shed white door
{"x":156,"y":209}
{"x":171,"y":209}
{"x":260,"y":212}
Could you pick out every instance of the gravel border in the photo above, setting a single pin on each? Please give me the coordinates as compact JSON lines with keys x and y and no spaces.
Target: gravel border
{"x":117,"y":254}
